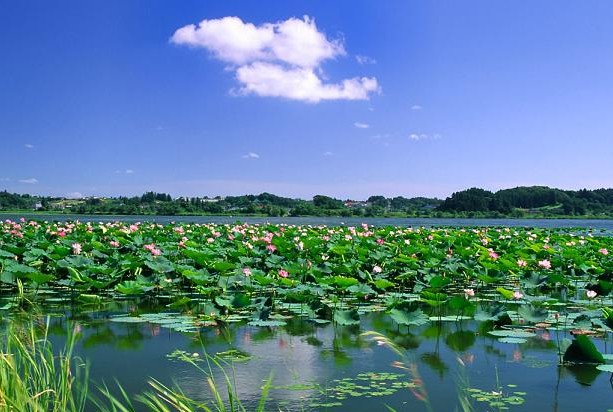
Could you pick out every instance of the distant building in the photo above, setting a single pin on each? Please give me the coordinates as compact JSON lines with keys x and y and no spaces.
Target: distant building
{"x":355,"y":203}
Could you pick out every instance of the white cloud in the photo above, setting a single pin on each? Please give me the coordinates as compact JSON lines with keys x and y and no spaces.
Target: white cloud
{"x":423,"y":136}
{"x":30,"y":181}
{"x":365,"y":59}
{"x":293,"y":41}
{"x":28,"y":146}
{"x":251,"y":155}
{"x":416,"y":107}
{"x":361,"y":125}
{"x":276,"y":59}
{"x":126,"y":172}
{"x":74,"y":195}
{"x":272,"y":80}
{"x":5,"y":179}
{"x":328,"y":153}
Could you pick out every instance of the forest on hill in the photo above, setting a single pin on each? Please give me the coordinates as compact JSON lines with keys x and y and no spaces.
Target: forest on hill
{"x":533,"y":201}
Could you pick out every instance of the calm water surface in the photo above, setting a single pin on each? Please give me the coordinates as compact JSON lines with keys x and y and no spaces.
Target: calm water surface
{"x":597,"y":224}
{"x":313,"y":365}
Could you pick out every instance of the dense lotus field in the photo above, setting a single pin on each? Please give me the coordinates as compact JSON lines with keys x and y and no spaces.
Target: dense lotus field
{"x":263,"y":273}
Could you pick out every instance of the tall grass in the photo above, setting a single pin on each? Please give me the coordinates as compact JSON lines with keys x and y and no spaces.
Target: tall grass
{"x":33,"y":378}
{"x":163,"y":398}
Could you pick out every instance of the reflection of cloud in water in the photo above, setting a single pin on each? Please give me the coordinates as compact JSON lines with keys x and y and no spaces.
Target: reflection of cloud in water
{"x":289,"y":358}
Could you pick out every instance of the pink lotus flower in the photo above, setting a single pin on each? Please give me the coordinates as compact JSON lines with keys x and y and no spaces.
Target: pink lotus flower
{"x":283,"y":273}
{"x":591,"y":294}
{"x":469,"y":292}
{"x":545,"y":264}
{"x":114,"y":243}
{"x":493,"y":254}
{"x":517,"y":295}
{"x":522,"y":263}
{"x":152,"y":249}
{"x":247,"y":272}
{"x":377,"y":269}
{"x":271,"y":248}
{"x":603,"y":251}
{"x":76,"y":248}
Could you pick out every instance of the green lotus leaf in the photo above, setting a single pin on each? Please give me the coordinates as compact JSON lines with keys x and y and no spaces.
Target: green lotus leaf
{"x":511,"y":333}
{"x":532,"y":314}
{"x":583,"y":350}
{"x":512,"y":340}
{"x":605,"y":368}
{"x":347,"y":317}
{"x":262,"y":323}
{"x":404,"y":317}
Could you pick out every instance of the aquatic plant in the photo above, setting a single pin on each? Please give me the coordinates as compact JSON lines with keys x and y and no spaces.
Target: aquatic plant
{"x":34,"y":378}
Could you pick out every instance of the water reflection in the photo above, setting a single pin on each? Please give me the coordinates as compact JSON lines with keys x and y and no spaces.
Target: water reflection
{"x":322,"y":364}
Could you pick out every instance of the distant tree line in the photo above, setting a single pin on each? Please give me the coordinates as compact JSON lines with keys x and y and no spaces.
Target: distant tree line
{"x":534,"y":201}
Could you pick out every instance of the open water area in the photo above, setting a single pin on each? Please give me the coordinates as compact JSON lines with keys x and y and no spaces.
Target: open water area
{"x":317,"y":367}
{"x":594,"y":224}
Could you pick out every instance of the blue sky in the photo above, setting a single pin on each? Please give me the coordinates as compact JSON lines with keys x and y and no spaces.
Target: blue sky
{"x":411,"y":98}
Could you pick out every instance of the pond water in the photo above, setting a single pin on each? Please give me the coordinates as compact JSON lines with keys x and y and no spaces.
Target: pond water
{"x":317,"y":367}
{"x":597,"y":224}
{"x":338,"y":319}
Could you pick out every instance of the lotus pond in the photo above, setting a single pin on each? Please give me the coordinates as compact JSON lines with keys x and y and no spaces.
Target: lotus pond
{"x":324,"y":318}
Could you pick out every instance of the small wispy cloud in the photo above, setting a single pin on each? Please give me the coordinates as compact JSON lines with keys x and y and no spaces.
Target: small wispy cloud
{"x":5,"y":179}
{"x":28,"y":146}
{"x":30,"y":181}
{"x":74,"y":195}
{"x":422,"y":136}
{"x":361,"y":59}
{"x":328,"y":153}
{"x":361,"y":125}
{"x":416,"y":107}
{"x":251,"y":155}
{"x":124,"y":172}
